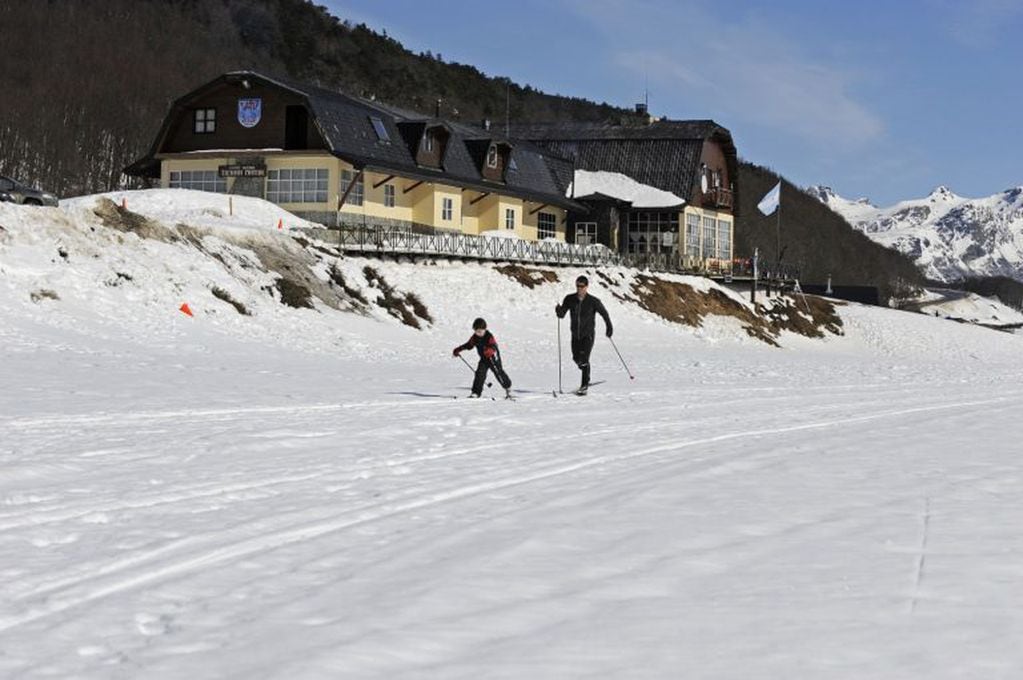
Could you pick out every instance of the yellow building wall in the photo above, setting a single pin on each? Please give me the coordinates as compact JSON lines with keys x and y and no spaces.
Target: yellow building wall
{"x":423,"y":205}
{"x":531,"y":222}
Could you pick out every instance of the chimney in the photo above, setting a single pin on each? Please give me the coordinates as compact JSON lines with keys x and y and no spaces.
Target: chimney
{"x":437,"y":114}
{"x":486,"y":123}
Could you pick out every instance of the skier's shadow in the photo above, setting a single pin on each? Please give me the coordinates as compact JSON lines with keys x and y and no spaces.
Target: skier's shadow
{"x":410,"y":393}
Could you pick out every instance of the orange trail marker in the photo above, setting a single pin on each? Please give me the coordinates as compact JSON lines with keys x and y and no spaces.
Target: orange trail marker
{"x":280,"y":223}
{"x":186,"y":309}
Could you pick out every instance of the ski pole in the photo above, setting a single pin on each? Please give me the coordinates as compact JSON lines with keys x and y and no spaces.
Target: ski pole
{"x":631,"y":377}
{"x":559,"y":357}
{"x":469,"y":366}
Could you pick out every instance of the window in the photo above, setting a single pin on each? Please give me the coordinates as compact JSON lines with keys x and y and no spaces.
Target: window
{"x":492,"y":156}
{"x":205,"y":121}
{"x":297,"y":185}
{"x":546,"y":225}
{"x":388,"y":195}
{"x":709,"y":238}
{"x":652,"y":232}
{"x":378,"y":126}
{"x":509,"y":218}
{"x":693,"y":234}
{"x":357,"y":194}
{"x":447,"y":209}
{"x":585,"y":233}
{"x":200,"y":180}
{"x":724,"y":240}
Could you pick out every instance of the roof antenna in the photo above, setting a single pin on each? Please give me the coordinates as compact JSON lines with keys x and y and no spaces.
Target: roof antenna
{"x":507,"y":107}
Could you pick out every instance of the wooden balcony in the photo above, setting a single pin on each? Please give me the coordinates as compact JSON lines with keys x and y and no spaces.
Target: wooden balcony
{"x":718,"y":197}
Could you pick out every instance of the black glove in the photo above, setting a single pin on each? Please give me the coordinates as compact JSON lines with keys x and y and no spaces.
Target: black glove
{"x":557,"y":310}
{"x":609,"y":331}
{"x":455,"y":352}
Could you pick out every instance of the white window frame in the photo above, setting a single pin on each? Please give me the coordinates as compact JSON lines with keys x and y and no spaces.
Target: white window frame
{"x":724,"y":240}
{"x":710,"y":234}
{"x":692,"y":234}
{"x":447,"y":209}
{"x":297,"y":185}
{"x":198,"y":180}
{"x":357,"y":196}
{"x":204,"y":121}
{"x":509,"y":218}
{"x":492,"y":156}
{"x":585,"y":233}
{"x":548,"y":230}
{"x":389,"y":201}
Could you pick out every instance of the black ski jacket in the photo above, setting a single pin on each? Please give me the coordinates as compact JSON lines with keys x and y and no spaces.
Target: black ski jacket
{"x":583,"y":314}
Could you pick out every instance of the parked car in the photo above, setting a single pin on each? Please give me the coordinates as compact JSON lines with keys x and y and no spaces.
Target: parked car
{"x":12,"y":191}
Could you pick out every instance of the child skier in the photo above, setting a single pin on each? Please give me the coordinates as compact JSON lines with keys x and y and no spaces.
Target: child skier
{"x":490,"y":358}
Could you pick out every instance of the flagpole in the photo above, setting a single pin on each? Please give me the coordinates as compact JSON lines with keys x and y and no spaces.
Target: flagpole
{"x":778,"y":229}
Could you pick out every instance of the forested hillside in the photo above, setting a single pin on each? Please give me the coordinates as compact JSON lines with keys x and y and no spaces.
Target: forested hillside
{"x":815,"y":239}
{"x":86,"y":83}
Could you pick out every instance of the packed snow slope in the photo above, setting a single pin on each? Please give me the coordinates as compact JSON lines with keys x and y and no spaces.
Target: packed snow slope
{"x":949,"y":236}
{"x":291,"y":492}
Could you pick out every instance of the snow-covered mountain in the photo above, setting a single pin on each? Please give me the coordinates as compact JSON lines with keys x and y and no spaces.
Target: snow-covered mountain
{"x":948,"y":235}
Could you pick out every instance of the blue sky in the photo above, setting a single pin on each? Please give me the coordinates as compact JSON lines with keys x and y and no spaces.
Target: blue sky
{"x":886,"y":100}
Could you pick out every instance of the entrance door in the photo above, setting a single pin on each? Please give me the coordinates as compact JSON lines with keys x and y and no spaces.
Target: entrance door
{"x":296,"y":127}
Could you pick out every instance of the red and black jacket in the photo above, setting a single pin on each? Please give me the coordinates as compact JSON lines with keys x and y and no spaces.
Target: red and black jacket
{"x":486,"y":346}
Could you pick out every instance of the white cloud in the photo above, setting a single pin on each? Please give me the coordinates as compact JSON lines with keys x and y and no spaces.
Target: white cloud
{"x":738,"y":72}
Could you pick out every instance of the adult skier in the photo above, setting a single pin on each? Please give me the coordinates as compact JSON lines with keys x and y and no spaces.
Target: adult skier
{"x":490,"y":358}
{"x":583,"y":309}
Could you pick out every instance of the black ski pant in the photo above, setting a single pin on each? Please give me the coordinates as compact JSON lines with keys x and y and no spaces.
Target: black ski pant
{"x":481,"y":374}
{"x":581,"y":348}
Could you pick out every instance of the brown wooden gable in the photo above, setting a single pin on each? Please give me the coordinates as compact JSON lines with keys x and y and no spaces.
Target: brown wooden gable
{"x":285,"y":120}
{"x":492,"y":158}
{"x":433,"y":146}
{"x":714,"y":183}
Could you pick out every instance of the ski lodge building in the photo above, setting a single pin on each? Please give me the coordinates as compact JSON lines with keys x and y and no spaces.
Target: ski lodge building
{"x":680,"y":208}
{"x":659,"y":193}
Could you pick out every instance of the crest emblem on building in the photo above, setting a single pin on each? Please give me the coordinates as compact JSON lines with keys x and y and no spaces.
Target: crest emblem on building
{"x":250,"y":111}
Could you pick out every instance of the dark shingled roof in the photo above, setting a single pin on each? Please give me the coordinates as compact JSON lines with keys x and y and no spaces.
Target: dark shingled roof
{"x":345,"y":123}
{"x":664,"y":154}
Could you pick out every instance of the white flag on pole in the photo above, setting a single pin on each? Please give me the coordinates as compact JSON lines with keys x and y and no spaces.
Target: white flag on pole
{"x":769,"y":203}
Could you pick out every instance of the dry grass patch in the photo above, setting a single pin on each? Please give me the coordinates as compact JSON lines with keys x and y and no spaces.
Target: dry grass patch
{"x":122,"y":219}
{"x":530,"y":278}
{"x":406,"y":307}
{"x":222,"y":294}
{"x":807,"y":315}
{"x":681,"y":303}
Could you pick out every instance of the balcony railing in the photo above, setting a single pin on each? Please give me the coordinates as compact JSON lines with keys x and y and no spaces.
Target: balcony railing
{"x":403,"y":240}
{"x":718,"y":197}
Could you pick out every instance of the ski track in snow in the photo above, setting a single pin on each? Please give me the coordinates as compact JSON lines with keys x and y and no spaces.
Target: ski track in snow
{"x":294,"y":494}
{"x":178,"y":558}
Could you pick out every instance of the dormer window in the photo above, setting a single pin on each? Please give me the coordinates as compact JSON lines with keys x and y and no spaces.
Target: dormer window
{"x":492,"y":156}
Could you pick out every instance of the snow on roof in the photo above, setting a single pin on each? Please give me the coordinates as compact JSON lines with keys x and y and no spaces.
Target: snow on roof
{"x":622,"y":187}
